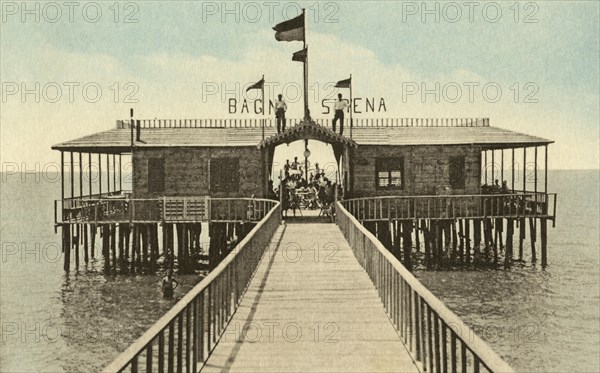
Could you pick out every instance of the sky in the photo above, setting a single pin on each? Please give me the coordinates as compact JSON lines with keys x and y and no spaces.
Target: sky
{"x":72,"y":69}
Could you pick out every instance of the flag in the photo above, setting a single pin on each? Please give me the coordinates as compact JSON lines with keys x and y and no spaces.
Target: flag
{"x":301,"y":55}
{"x":346,"y":83}
{"x":290,"y":30}
{"x":258,"y":85}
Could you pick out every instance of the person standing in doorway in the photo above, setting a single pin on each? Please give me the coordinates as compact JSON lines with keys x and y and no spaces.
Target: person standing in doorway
{"x":339,"y":107}
{"x":280,"y":109}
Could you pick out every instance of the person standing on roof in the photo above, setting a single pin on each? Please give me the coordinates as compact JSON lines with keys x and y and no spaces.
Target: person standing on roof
{"x":340,"y":106}
{"x":280,"y":109}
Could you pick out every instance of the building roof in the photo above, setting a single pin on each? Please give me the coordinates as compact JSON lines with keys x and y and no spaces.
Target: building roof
{"x":118,"y":140}
{"x":488,"y":137}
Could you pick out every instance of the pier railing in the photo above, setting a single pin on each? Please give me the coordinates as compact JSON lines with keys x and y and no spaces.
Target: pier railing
{"x":476,"y":206}
{"x":183,"y":338}
{"x":434,"y":335}
{"x":121,"y":209}
{"x":291,"y":122}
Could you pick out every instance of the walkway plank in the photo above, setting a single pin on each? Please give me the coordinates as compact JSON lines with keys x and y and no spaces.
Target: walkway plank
{"x":310,"y":308}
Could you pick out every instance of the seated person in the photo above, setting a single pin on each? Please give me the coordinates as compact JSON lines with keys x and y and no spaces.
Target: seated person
{"x":505,"y":189}
{"x":496,"y":187}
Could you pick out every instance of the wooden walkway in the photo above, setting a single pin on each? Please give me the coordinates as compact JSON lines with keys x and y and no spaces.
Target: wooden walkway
{"x":310,"y":308}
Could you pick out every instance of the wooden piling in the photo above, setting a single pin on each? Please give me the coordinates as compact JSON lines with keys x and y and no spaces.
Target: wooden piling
{"x":153,"y":247}
{"x":113,"y":246}
{"x":134,"y":244}
{"x":461,"y":245}
{"x":437,"y":243}
{"x":121,"y":243}
{"x":407,"y":243}
{"x":171,"y":245}
{"x":427,"y":239}
{"x":447,"y":231}
{"x":454,"y":240}
{"x":76,"y":239}
{"x":396,"y":239}
{"x":180,"y":261}
{"x":126,"y":243}
{"x":93,"y":240}
{"x":106,"y":247}
{"x":467,"y":241}
{"x":66,"y":233}
{"x":544,"y":239}
{"x":532,"y":237}
{"x":488,"y":236}
{"x":383,"y":234}
{"x":86,"y":257}
{"x":477,"y":239}
{"x":508,"y":254}
{"x":521,"y":237}
{"x":138,"y":248}
{"x":499,"y":233}
{"x":417,"y":239}
{"x":184,"y":260}
{"x":144,"y":245}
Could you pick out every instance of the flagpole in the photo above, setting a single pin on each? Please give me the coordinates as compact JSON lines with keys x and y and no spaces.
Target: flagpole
{"x":262,"y":90}
{"x":351,"y":108}
{"x":306,"y":114}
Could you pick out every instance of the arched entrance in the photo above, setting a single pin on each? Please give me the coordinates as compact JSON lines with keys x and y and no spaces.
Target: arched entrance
{"x":304,"y":132}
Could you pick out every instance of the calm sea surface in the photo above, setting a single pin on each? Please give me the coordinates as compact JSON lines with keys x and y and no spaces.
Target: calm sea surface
{"x":543,"y":320}
{"x":539,"y":320}
{"x":53,"y":322}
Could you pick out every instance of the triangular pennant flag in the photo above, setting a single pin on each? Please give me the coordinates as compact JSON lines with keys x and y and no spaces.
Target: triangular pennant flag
{"x":290,"y":30}
{"x":258,"y":85}
{"x":344,"y":83}
{"x":301,"y":55}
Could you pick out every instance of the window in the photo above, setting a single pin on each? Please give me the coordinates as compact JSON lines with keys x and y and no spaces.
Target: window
{"x":156,"y":175}
{"x":224,"y":174}
{"x":457,"y":172}
{"x":389,"y":173}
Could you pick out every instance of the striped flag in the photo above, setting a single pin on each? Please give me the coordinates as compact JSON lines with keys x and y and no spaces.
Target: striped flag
{"x":290,"y":30}
{"x":301,"y":55}
{"x":346,"y":83}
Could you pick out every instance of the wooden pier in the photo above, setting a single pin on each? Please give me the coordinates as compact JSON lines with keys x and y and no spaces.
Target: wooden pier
{"x":310,"y":308}
{"x":321,"y":301}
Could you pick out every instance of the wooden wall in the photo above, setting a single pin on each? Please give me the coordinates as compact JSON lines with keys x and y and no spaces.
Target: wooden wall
{"x":187,"y":171}
{"x":425,"y":168}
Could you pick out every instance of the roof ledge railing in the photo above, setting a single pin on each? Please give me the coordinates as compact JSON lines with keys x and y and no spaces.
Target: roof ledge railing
{"x":270,"y":122}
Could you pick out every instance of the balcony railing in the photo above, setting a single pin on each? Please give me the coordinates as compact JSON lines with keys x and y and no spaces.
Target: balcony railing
{"x":434,"y":335}
{"x":120,"y":209}
{"x":514,"y":205}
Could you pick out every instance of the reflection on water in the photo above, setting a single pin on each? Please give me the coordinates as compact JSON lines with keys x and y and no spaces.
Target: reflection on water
{"x":542,"y":320}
